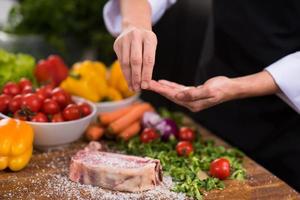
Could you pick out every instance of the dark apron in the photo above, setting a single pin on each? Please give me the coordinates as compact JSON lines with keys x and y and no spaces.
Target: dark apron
{"x":248,"y":36}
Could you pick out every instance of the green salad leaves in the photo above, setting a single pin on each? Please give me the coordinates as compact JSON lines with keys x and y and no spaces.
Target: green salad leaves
{"x":15,"y":66}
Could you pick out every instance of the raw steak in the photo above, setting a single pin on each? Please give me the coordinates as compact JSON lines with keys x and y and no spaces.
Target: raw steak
{"x":114,"y":171}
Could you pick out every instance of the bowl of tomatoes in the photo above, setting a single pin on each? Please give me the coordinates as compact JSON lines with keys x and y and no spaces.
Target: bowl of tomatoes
{"x":56,"y":117}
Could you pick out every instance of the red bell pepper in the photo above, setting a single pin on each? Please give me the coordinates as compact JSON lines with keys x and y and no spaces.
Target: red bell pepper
{"x":52,"y":71}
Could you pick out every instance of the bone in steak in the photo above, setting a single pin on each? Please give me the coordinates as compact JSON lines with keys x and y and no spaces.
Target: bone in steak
{"x":114,"y":171}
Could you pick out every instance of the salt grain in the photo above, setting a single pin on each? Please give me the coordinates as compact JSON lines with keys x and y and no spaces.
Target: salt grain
{"x":56,"y":185}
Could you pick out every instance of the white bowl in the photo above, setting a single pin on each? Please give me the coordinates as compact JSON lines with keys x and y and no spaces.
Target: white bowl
{"x":114,"y":105}
{"x":48,"y":134}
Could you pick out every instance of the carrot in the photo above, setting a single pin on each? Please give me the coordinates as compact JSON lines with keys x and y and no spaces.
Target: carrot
{"x":108,"y":117}
{"x":94,"y":132}
{"x":130,"y":131}
{"x":129,"y":118}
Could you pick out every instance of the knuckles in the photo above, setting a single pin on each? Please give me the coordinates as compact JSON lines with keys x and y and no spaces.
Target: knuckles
{"x":136,"y":60}
{"x":148,"y":60}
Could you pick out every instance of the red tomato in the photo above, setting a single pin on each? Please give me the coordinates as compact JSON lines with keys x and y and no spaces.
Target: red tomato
{"x":47,"y":90}
{"x":71,"y":112}
{"x":57,"y":118}
{"x":50,"y":107}
{"x":148,"y":135}
{"x":24,"y":83}
{"x":39,"y":117}
{"x":184,"y":148}
{"x":27,"y":89}
{"x":11,"y":88}
{"x":186,"y":134}
{"x":4,"y":102}
{"x":15,"y":103}
{"x":85,"y":108}
{"x":20,"y":115}
{"x":220,"y":168}
{"x":41,"y":94}
{"x":61,"y":97}
{"x":32,"y":102}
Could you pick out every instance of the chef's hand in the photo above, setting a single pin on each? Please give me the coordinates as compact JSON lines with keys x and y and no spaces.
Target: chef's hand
{"x":216,"y":90}
{"x":135,"y":49}
{"x":213,"y":92}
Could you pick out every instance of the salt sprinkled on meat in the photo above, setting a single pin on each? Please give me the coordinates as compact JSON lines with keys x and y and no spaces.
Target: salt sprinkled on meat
{"x":51,"y":181}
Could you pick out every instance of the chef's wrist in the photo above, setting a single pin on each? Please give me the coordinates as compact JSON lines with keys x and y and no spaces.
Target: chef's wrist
{"x":128,"y":24}
{"x":137,"y":14}
{"x":258,"y":84}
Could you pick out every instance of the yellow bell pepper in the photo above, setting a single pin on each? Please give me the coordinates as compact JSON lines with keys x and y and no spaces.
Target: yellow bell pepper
{"x":89,"y":81}
{"x":82,"y":88}
{"x":16,"y":138}
{"x":118,"y":81}
{"x":89,"y":67}
{"x":113,"y":94}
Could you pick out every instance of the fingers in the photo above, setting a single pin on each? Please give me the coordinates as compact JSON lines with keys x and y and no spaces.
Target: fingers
{"x":135,"y":49}
{"x":136,"y":61}
{"x":173,"y":85}
{"x":164,"y":90}
{"x":168,"y":91}
{"x":148,"y":59}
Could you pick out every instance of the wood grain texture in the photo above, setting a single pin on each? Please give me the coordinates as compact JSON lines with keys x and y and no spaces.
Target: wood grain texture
{"x":34,"y":182}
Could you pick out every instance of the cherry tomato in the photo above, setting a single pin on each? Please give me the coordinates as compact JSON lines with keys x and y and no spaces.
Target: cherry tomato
{"x":24,"y":83}
{"x":85,"y":108}
{"x":184,"y":148}
{"x":220,"y":168}
{"x":4,"y":102}
{"x":186,"y":134}
{"x":57,"y":118}
{"x":41,"y":94}
{"x":61,"y":97}
{"x":47,"y":90}
{"x":32,"y":102}
{"x":15,"y":103}
{"x":27,"y":89}
{"x":71,"y":112}
{"x":50,"y":107}
{"x":148,"y":135}
{"x":11,"y":88}
{"x":20,"y":115}
{"x":39,"y":117}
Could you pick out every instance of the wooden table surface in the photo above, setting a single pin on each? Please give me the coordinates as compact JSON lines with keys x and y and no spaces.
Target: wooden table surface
{"x":41,"y":179}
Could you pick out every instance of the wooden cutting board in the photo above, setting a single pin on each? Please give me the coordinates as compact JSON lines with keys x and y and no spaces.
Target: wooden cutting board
{"x":46,"y":178}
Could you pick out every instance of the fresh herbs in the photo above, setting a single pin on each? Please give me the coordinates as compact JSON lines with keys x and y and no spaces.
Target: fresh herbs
{"x":184,"y":170}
